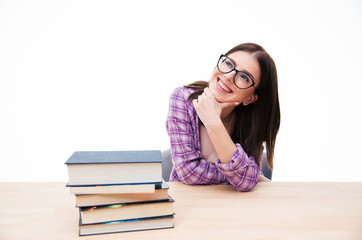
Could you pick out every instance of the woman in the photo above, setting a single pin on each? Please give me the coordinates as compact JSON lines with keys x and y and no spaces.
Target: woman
{"x":218,"y":128}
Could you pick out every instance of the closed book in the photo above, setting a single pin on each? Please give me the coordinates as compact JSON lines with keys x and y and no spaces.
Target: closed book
{"x":160,"y":193}
{"x":89,"y":168}
{"x":127,"y":211}
{"x":127,"y":225}
{"x":114,"y":189}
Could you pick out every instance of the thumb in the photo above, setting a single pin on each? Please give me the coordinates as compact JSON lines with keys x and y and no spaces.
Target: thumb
{"x":229,"y":104}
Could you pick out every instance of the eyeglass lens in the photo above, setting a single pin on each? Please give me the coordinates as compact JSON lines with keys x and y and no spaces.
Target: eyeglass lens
{"x":241,"y":79}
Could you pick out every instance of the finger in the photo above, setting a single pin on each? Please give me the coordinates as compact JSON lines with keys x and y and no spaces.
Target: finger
{"x":195,"y":103}
{"x":207,"y":91}
{"x":199,"y":98}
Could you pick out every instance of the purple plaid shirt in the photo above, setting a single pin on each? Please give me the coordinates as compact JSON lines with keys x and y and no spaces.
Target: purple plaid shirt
{"x":188,"y":167}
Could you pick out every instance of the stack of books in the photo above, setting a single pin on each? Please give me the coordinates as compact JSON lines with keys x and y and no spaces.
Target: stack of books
{"x":119,"y":191}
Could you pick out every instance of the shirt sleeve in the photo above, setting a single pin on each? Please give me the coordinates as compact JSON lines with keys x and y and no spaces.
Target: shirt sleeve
{"x":190,"y":168}
{"x":242,"y":171}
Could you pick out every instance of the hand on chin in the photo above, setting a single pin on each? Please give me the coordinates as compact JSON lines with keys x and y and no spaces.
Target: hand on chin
{"x":222,"y":100}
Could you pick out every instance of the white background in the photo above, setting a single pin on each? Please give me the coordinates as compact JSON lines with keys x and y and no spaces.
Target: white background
{"x":97,"y":75}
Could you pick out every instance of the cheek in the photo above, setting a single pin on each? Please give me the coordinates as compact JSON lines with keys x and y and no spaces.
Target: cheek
{"x":242,"y":95}
{"x":213,"y":75}
{"x":239,"y":98}
{"x":212,"y":80}
{"x":212,"y":87}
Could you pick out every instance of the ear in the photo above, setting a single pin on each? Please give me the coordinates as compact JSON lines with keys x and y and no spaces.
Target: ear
{"x":250,"y":99}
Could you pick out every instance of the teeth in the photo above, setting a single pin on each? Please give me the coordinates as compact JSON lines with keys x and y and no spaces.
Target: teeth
{"x":224,"y":87}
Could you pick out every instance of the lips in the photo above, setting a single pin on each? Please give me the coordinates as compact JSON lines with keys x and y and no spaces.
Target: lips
{"x":222,"y":86}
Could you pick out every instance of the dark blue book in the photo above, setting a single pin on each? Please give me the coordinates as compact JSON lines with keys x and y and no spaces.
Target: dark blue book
{"x":89,"y":168}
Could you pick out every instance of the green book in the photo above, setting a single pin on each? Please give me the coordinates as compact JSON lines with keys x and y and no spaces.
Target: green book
{"x":139,"y":224}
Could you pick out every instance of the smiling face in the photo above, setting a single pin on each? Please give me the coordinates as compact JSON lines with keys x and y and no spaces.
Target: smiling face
{"x":222,"y":84}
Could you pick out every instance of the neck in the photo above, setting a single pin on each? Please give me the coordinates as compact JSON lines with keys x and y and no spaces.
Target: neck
{"x":226,"y":114}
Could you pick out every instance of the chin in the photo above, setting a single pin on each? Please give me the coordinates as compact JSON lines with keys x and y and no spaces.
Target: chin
{"x":215,"y":92}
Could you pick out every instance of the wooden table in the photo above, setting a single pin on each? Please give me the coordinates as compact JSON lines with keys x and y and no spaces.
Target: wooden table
{"x":271,"y":211}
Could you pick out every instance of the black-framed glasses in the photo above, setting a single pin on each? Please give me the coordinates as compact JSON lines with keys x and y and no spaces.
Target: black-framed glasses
{"x":242,"y":79}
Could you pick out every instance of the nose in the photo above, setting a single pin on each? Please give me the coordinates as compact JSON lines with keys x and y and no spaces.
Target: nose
{"x":230,"y":76}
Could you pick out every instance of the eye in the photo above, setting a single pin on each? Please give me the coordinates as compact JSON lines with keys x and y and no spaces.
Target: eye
{"x":245,"y":78}
{"x":229,"y":63}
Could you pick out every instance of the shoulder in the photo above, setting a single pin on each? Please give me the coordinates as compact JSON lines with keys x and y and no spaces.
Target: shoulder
{"x":179,"y":105}
{"x":182,"y":93}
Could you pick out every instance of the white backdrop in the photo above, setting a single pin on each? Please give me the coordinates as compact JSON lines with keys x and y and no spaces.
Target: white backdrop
{"x":96,"y":75}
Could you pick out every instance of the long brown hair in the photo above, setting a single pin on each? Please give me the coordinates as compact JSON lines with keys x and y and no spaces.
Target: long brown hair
{"x":258,"y":122}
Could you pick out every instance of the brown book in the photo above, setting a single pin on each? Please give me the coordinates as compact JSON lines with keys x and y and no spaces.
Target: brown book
{"x":161,"y":193}
{"x":127,"y":211}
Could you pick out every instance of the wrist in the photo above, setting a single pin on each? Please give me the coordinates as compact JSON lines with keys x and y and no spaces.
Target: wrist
{"x":214,"y":125}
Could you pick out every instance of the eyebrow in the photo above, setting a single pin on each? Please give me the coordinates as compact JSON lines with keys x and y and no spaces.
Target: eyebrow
{"x":244,"y":71}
